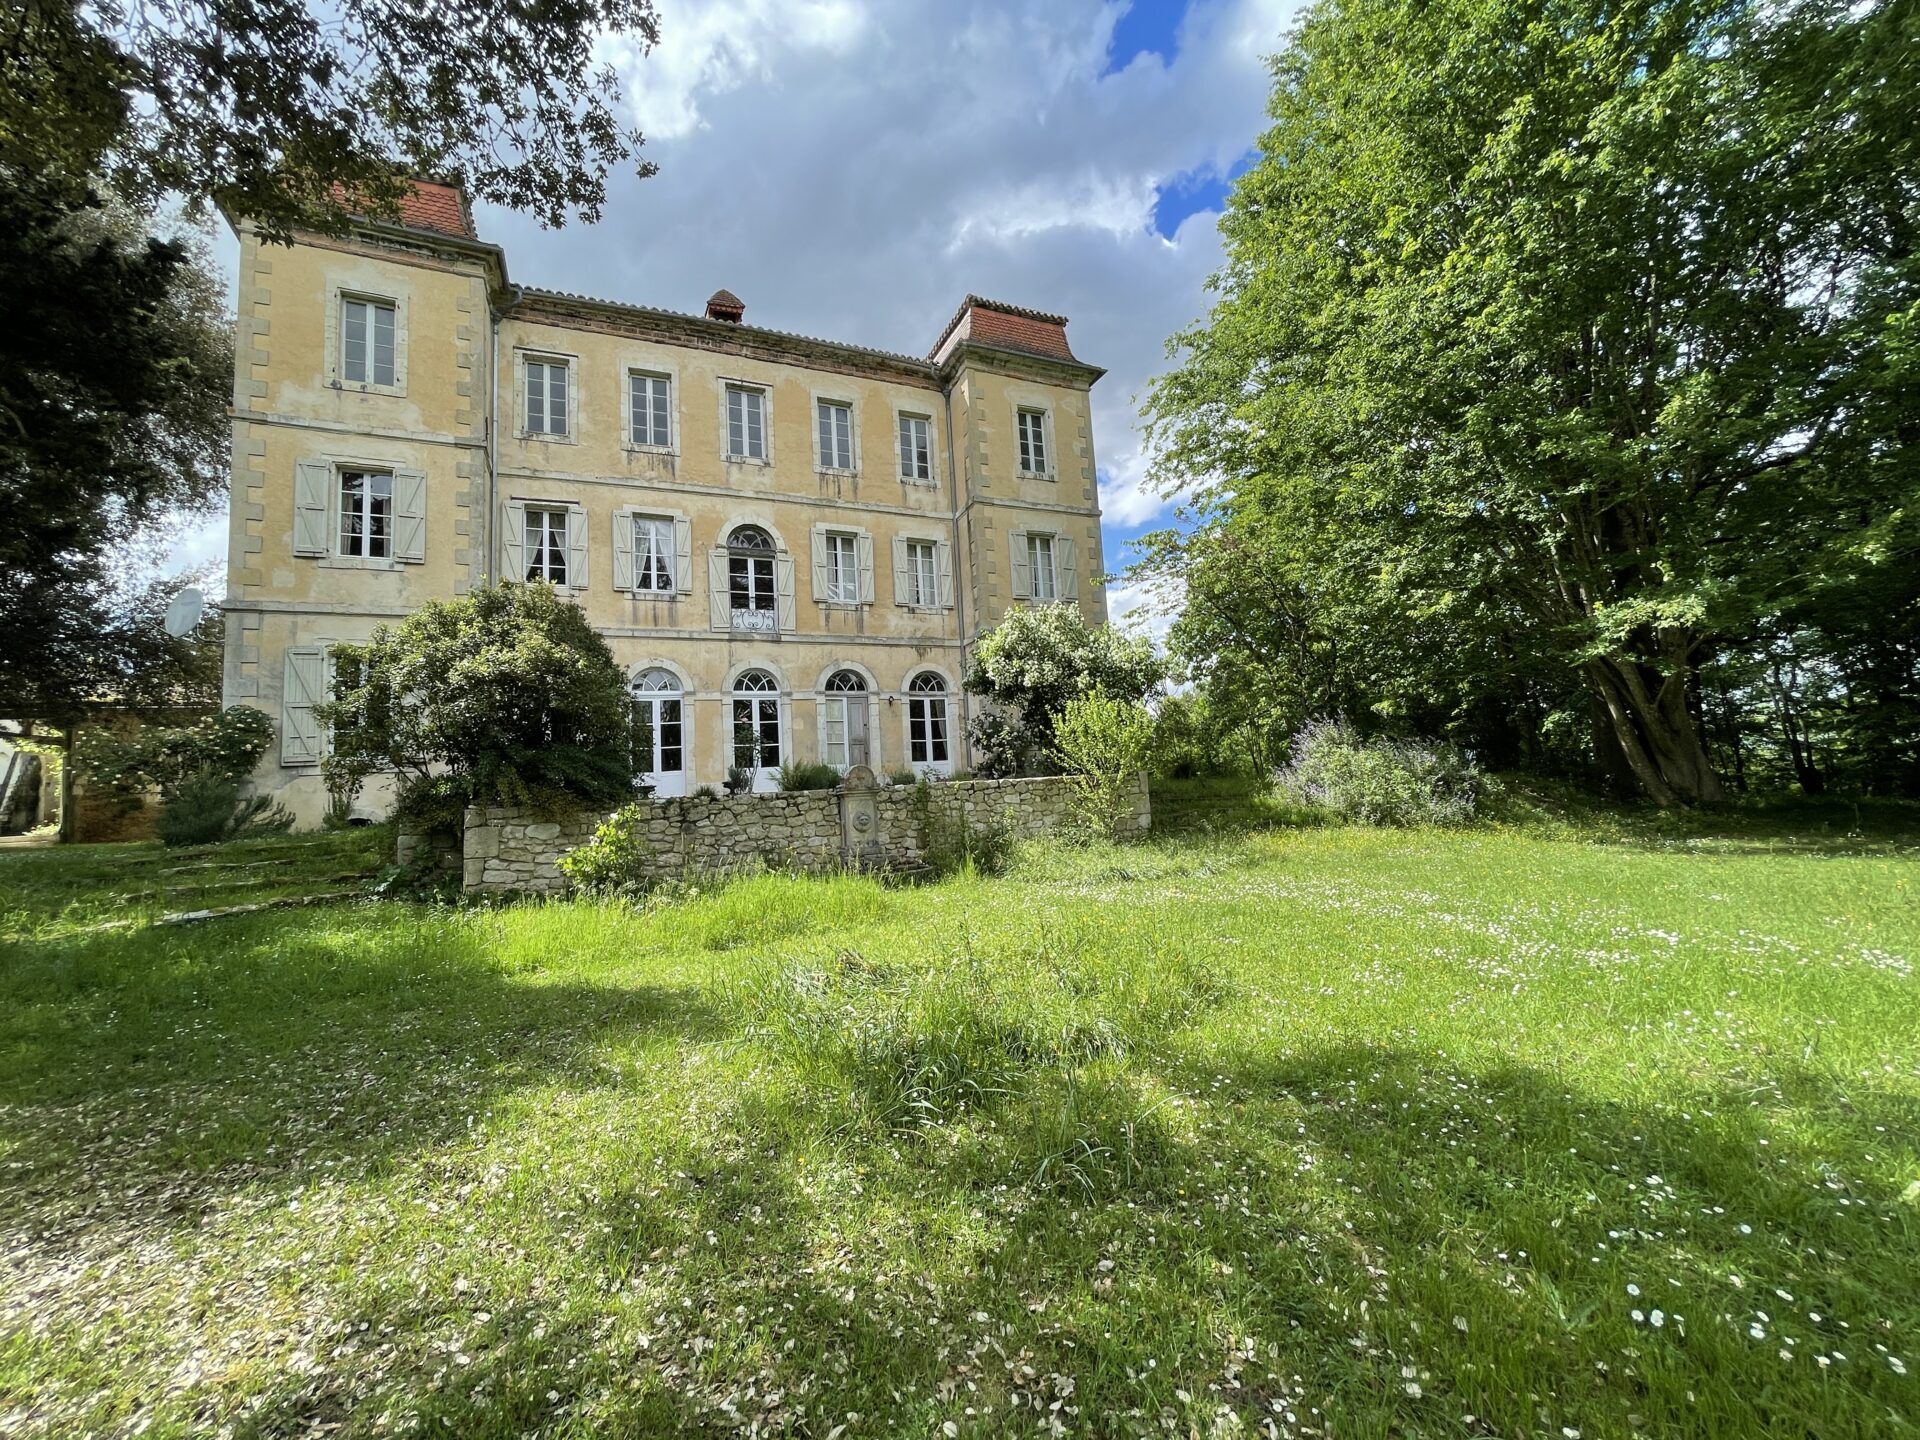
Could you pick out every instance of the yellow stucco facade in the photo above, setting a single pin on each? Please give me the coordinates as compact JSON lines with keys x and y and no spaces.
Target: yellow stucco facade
{"x":408,"y":423}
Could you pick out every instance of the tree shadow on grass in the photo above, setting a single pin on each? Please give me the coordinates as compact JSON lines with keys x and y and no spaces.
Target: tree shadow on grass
{"x":148,"y":1074}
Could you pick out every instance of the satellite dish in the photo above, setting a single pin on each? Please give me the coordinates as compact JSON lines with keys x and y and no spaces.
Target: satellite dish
{"x":184,"y":610}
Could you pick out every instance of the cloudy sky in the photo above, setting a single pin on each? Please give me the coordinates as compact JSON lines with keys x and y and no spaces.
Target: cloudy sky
{"x":852,"y":168}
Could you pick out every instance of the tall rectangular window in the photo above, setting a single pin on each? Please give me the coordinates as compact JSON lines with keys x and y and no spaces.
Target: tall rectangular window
{"x":366,"y":514}
{"x":547,"y":545}
{"x":547,"y":397}
{"x":843,"y":569}
{"x":366,"y":341}
{"x":1040,"y":568}
{"x":834,"y":423}
{"x":652,"y":552}
{"x":746,"y":423}
{"x":916,"y":448}
{"x":1033,"y":442}
{"x":923,"y":585}
{"x":648,"y":400}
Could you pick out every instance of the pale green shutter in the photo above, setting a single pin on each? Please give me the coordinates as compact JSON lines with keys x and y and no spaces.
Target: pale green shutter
{"x":577,"y":547}
{"x":1022,"y":567}
{"x":301,"y":741}
{"x":623,"y":549}
{"x":943,"y":572}
{"x":902,"y":582}
{"x":682,"y":555}
{"x":863,"y":554}
{"x":783,"y":590}
{"x":513,"y":544}
{"x":718,"y":599}
{"x":819,"y":563}
{"x":409,"y":516}
{"x":1067,"y":568}
{"x":312,"y":503}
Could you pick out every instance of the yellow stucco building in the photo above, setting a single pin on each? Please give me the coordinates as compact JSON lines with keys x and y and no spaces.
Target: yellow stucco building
{"x":789,"y":543}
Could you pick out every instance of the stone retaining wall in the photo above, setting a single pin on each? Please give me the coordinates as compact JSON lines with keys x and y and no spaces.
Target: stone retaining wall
{"x":509,"y":850}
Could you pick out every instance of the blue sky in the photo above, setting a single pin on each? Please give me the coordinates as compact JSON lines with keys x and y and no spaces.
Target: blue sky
{"x":852,"y":168}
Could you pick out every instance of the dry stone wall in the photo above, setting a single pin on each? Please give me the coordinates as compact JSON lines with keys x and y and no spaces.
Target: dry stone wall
{"x":509,"y":850}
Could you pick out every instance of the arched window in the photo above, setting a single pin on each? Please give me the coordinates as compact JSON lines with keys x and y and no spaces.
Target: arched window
{"x":843,"y":721}
{"x":927,"y":720}
{"x":750,"y":590}
{"x":656,"y":699}
{"x":756,"y":725}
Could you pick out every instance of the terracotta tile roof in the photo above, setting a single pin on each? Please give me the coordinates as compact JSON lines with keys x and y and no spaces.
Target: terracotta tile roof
{"x":433,"y":205}
{"x":1009,"y":327}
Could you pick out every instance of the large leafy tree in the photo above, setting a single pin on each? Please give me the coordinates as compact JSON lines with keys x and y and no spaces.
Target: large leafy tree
{"x":279,"y":109}
{"x":115,"y":367}
{"x":1577,"y":324}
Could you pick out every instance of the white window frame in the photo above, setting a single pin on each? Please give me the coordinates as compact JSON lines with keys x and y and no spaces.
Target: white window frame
{"x":374,"y":306}
{"x":923,"y":592}
{"x":720,"y":581}
{"x":1037,"y":541}
{"x":648,"y":578}
{"x":931,"y":480}
{"x":336,"y":371}
{"x":527,"y":512}
{"x":568,"y":364}
{"x":365,"y":472}
{"x":1043,"y":414}
{"x":666,"y":375}
{"x":835,"y":710}
{"x":744,"y":457}
{"x":822,"y":461}
{"x":912,"y":697}
{"x":843,"y":567}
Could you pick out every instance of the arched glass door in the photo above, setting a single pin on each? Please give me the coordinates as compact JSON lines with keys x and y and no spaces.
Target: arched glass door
{"x":927,"y":747}
{"x":656,"y":694}
{"x":843,"y":721}
{"x":751,"y":596}
{"x":756,"y":728}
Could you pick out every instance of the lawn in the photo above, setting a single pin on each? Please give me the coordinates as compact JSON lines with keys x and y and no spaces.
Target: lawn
{"x":1540,"y":1130}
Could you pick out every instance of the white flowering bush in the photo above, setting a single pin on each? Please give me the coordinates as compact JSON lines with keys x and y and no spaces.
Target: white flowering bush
{"x":1381,"y":782}
{"x":1035,"y":661}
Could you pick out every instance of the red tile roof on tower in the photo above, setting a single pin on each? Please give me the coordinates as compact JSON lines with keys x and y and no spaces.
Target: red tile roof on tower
{"x":1008,"y":327}
{"x":432,"y":205}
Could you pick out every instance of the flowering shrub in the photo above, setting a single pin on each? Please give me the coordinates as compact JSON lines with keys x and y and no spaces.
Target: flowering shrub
{"x":164,"y":757}
{"x":1381,"y":782}
{"x":1029,"y":667}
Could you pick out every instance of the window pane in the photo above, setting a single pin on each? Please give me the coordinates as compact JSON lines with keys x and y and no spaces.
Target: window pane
{"x":352,"y":491}
{"x":383,"y":368}
{"x":353,"y":341}
{"x":824,"y":427}
{"x":557,"y":399}
{"x":662,"y":434}
{"x":536,"y":398}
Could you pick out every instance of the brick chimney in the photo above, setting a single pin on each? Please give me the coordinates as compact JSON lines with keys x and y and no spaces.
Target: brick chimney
{"x":725,"y":305}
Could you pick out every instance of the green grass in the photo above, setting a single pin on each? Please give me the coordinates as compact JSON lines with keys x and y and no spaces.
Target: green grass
{"x":1353,"y":1133}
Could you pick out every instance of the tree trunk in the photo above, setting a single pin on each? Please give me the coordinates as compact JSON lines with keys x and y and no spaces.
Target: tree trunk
{"x":1657,"y":733}
{"x":66,"y":786}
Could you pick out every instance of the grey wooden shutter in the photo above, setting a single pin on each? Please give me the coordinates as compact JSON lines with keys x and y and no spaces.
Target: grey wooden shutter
{"x":863,"y":553}
{"x":513,"y":544}
{"x":943,"y":572}
{"x":1022,"y":568}
{"x":409,"y":516}
{"x":312,"y":503}
{"x":1065,"y":563}
{"x":623,"y":549}
{"x":902,"y":583}
{"x":718,"y":599}
{"x":577,"y":547}
{"x":819,"y":563}
{"x":783,"y":590}
{"x":301,"y":742}
{"x":682,"y":555}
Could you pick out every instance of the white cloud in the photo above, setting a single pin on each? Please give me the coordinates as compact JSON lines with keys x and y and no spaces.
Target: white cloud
{"x":851,"y":168}
{"x":1142,"y":610}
